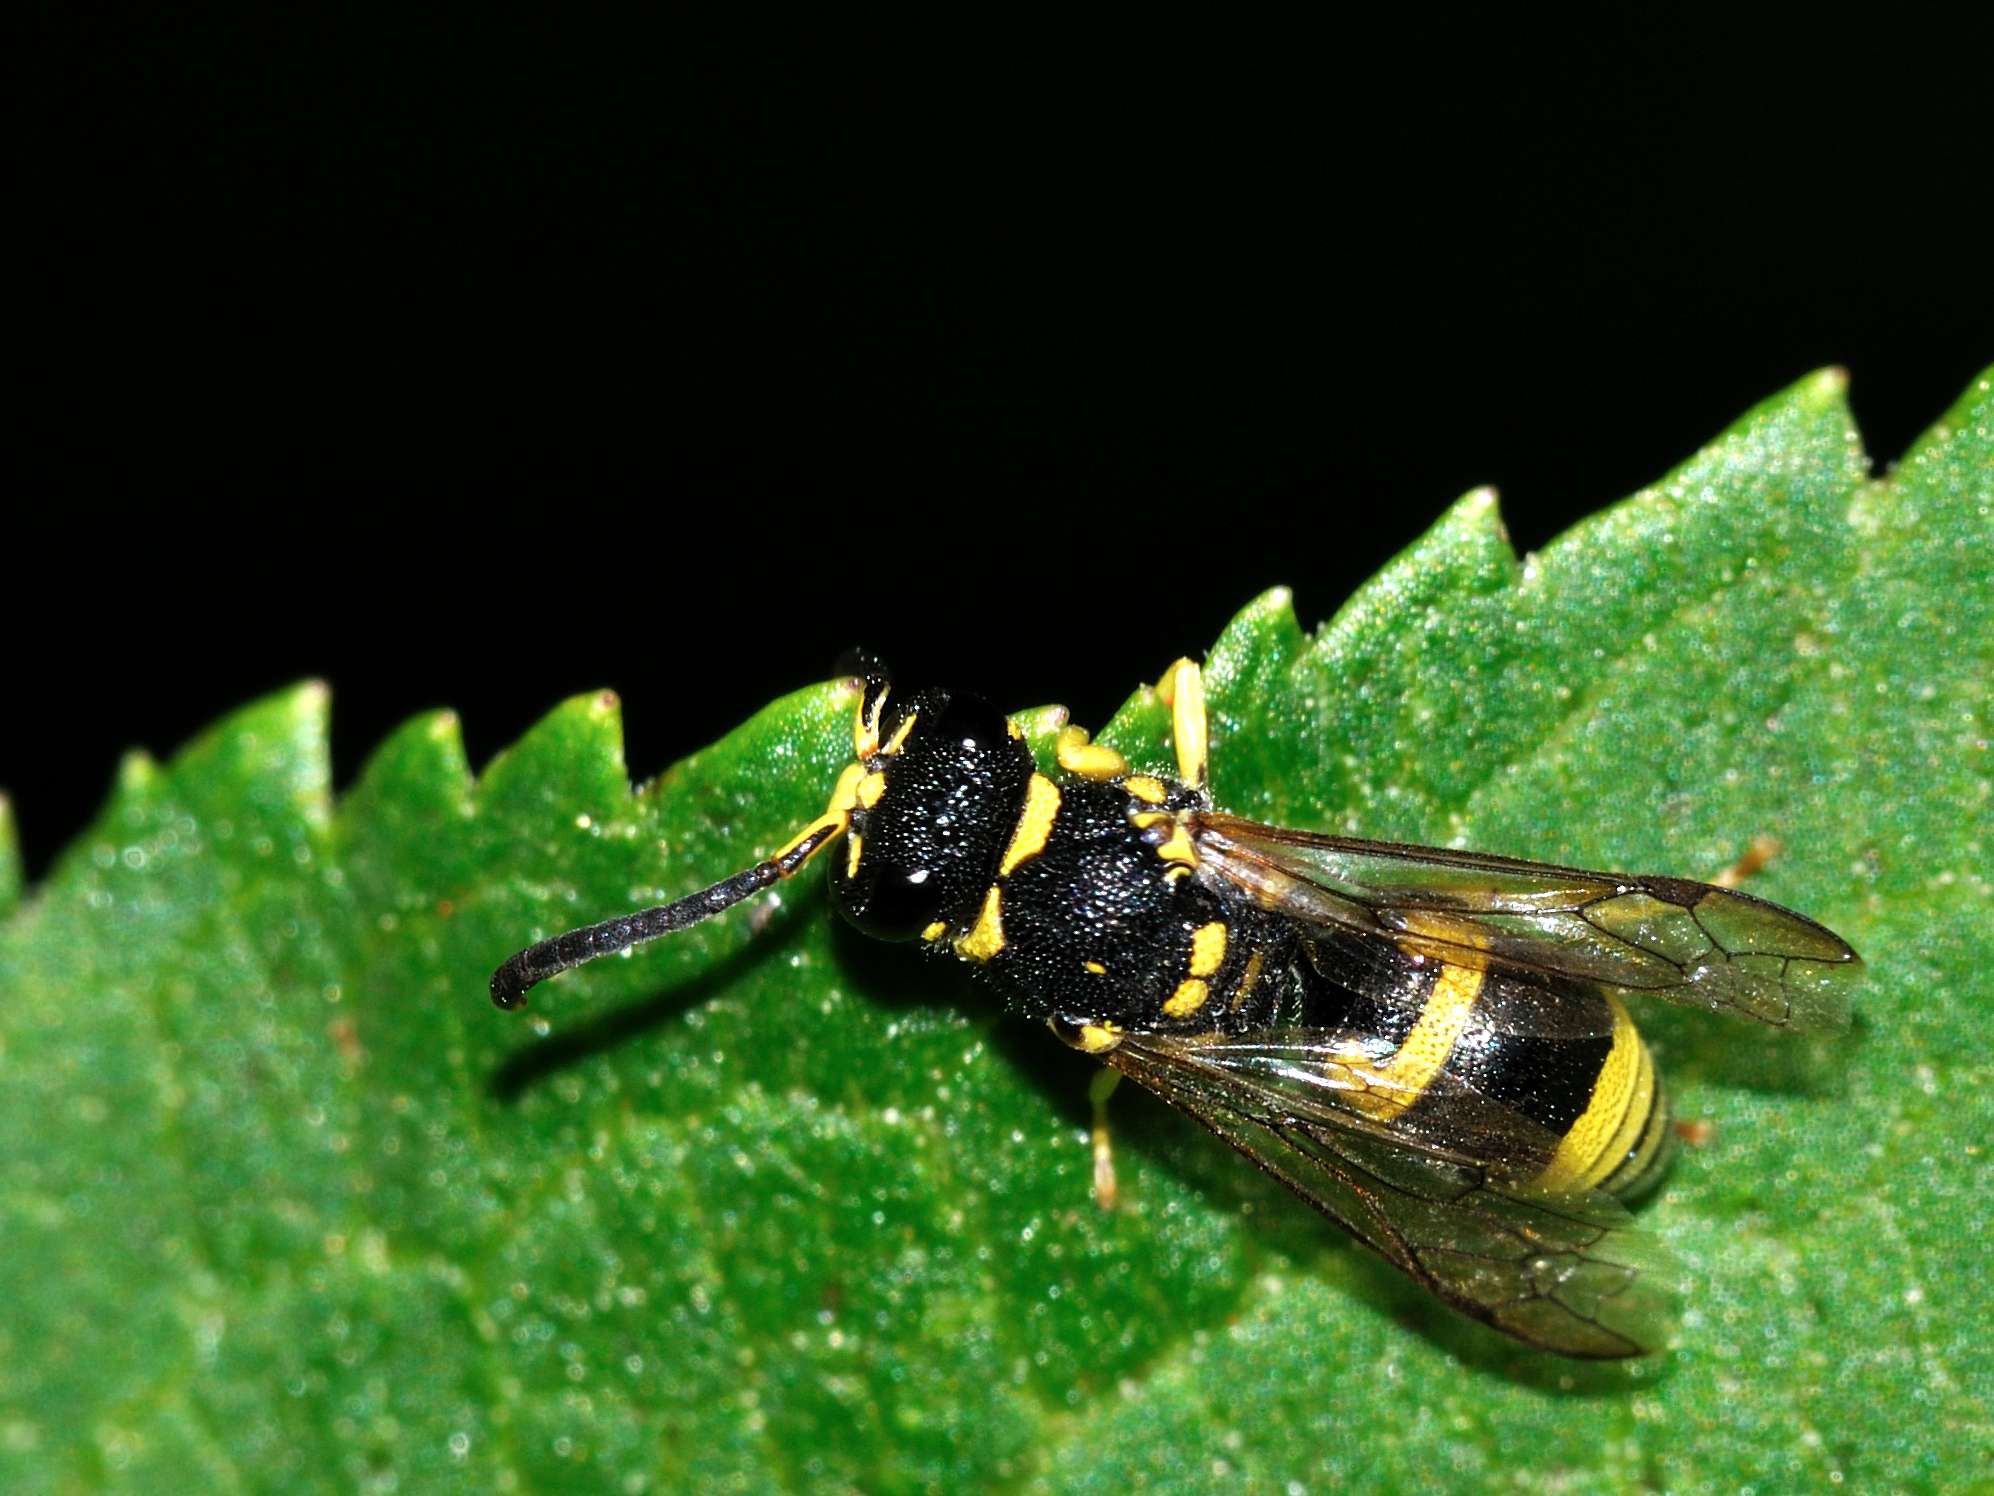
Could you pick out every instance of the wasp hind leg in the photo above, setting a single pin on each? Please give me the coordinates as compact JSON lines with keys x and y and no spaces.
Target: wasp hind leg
{"x":1097,"y":1039}
{"x":1107,"y":1194}
{"x":1182,"y":689}
{"x":1752,"y":860}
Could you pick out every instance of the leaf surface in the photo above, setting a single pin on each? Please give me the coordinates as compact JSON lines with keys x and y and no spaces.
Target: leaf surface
{"x":286,"y":1204}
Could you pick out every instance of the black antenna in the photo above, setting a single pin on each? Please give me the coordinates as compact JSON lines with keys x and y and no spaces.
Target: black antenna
{"x":536,"y":963}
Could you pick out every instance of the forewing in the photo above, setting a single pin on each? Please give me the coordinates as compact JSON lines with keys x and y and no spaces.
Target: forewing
{"x":1685,"y":942}
{"x":1567,"y":1273}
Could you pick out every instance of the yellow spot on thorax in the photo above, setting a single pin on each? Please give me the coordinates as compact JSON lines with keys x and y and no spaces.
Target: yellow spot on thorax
{"x":854,"y":849}
{"x":1034,"y":823}
{"x":935,"y":931}
{"x":1089,"y":760}
{"x":871,"y":788}
{"x":1207,"y":948}
{"x":986,"y":937}
{"x":1190,"y":996}
{"x":1096,"y":967}
{"x":1146,"y":787}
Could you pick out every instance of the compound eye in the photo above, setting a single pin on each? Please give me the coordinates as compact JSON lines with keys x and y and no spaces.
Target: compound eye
{"x":886,"y":900}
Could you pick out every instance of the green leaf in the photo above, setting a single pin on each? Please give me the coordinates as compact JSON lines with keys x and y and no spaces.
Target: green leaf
{"x":286,"y":1204}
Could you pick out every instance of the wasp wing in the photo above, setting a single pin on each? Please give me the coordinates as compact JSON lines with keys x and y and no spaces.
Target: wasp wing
{"x":1448,"y":1203}
{"x":1686,"y":942}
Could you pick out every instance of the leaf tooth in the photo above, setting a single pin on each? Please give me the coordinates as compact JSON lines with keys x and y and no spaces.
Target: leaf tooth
{"x":1963,"y":434}
{"x":568,"y":763}
{"x":1466,"y":552}
{"x":271,"y":758}
{"x":421,"y":764}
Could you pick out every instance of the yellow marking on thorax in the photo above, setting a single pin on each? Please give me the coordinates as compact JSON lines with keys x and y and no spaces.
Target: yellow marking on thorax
{"x":871,"y":788}
{"x":1034,"y":823}
{"x":854,"y":849}
{"x":1178,"y":849}
{"x":1207,"y":948}
{"x":1191,"y":995}
{"x":986,"y":937}
{"x":1623,"y":1094}
{"x":935,"y":931}
{"x":1077,"y":755}
{"x":899,"y":738}
{"x":1146,"y":787}
{"x":1401,"y":1080}
{"x":1096,"y":967}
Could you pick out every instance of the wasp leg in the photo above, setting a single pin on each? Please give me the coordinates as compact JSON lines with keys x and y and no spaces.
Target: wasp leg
{"x":1761,"y":851}
{"x":1183,"y":691}
{"x":1106,"y":1192}
{"x":1087,"y":759}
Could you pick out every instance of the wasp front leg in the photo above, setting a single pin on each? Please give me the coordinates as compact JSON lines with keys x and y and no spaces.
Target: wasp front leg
{"x":1182,"y":689}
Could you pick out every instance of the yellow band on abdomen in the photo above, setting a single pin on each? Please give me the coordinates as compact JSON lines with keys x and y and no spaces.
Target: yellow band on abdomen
{"x":1623,"y":1096}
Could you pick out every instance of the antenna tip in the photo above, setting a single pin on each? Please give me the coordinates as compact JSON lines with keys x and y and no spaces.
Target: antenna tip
{"x":508,"y":987}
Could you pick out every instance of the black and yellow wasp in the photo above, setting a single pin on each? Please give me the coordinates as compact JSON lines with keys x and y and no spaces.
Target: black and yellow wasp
{"x":1428,"y":1046}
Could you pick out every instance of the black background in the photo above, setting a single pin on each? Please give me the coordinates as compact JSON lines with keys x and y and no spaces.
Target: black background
{"x":480,"y":358}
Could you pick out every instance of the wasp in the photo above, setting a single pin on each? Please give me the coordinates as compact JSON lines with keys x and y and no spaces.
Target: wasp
{"x":1430,"y":1047}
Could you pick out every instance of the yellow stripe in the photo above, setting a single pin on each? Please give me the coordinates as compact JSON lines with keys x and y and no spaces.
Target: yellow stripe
{"x":1635,"y":1173}
{"x":986,"y":937}
{"x":899,"y":738}
{"x":1406,"y":1075}
{"x":1622,"y":1096}
{"x":865,"y":727}
{"x":1187,"y":999}
{"x":1640,"y":1111}
{"x":854,"y":849}
{"x":837,"y":815}
{"x":1034,"y":823}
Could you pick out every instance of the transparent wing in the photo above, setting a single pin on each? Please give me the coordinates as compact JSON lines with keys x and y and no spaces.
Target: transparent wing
{"x":1445,"y":1200}
{"x":1685,"y":942}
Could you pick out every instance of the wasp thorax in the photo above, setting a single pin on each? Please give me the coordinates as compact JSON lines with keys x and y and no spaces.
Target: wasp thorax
{"x":926,"y":845}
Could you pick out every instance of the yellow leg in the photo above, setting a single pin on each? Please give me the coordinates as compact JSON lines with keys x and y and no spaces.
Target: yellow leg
{"x":1183,"y":691}
{"x":1762,"y":850}
{"x":1106,"y":1193}
{"x":1089,"y":760}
